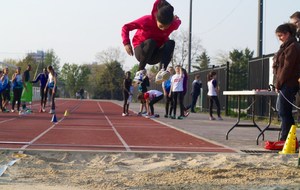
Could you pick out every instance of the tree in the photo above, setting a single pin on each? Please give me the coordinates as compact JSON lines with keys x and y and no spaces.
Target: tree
{"x":239,"y":67}
{"x":51,"y":59}
{"x":113,"y":80}
{"x":74,"y":78}
{"x":202,"y":61}
{"x":110,"y":55}
{"x":181,"y":49}
{"x":222,"y":58}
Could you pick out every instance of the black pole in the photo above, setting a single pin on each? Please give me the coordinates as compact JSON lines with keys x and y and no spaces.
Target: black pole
{"x":190,"y":38}
{"x":227,"y":88}
{"x":260,"y":28}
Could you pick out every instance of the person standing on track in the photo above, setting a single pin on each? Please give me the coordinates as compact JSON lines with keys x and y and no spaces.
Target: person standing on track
{"x":1,"y":89}
{"x":151,"y":41}
{"x":27,"y":93}
{"x":6,"y":90}
{"x":177,"y":91}
{"x":43,"y":78}
{"x":127,"y":83}
{"x":18,"y":84}
{"x":196,"y":89}
{"x":52,"y":87}
{"x":212,"y":94}
{"x":166,"y":87}
{"x":143,"y":88}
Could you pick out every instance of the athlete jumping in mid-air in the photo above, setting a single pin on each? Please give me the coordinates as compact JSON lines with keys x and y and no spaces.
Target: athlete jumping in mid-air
{"x":151,"y":41}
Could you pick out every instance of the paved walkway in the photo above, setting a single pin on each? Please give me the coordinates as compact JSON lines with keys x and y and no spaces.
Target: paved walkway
{"x":198,"y":124}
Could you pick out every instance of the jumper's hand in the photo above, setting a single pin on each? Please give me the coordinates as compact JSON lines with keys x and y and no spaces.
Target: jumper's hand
{"x":128,"y":49}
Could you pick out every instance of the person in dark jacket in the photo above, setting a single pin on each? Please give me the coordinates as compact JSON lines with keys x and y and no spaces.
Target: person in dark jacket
{"x":295,"y":19}
{"x":286,"y":69}
{"x":43,"y":78}
{"x":196,"y":89}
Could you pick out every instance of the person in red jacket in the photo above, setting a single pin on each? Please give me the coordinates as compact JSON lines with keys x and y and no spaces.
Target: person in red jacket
{"x":151,"y":43}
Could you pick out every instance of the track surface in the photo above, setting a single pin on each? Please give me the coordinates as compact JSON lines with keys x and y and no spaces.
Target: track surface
{"x":98,"y":126}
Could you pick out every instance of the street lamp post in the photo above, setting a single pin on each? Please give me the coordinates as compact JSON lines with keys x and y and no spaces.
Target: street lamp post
{"x":190,"y":38}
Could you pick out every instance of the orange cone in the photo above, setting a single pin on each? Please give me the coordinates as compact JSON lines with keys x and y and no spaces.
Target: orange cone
{"x":290,"y":143}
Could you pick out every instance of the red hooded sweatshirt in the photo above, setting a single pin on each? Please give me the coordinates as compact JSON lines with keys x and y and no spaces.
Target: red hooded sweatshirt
{"x":146,"y":27}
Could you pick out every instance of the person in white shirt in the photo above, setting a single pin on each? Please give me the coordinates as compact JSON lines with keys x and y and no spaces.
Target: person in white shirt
{"x":52,"y":86}
{"x":177,"y":91}
{"x":212,"y":94}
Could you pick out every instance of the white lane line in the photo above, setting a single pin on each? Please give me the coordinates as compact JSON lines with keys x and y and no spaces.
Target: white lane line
{"x":13,"y":142}
{"x":7,"y":120}
{"x":115,"y":130}
{"x":47,"y":130}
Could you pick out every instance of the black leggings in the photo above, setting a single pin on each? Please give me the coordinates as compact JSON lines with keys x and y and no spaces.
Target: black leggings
{"x":148,"y":53}
{"x":153,"y":101}
{"x":213,"y":99}
{"x":17,"y":97}
{"x":52,"y":96}
{"x":125,"y":105}
{"x":178,"y":95}
{"x":169,"y":105}
{"x":43,"y":96}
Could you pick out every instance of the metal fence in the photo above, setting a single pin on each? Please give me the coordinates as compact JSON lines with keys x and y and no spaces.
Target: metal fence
{"x":257,"y":77}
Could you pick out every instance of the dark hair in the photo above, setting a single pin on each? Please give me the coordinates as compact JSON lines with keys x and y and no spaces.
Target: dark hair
{"x":295,"y":15}
{"x":165,"y":13}
{"x":210,"y":75}
{"x":50,"y":67}
{"x":287,"y":28}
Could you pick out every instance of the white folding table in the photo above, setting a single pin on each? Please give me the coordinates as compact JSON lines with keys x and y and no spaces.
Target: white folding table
{"x":253,"y":94}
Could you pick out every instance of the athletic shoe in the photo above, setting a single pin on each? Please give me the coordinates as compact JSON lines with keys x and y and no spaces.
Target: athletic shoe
{"x":28,"y":111}
{"x":43,"y":110}
{"x":173,"y":117}
{"x":180,"y":117}
{"x":138,"y":77}
{"x":5,"y":111}
{"x":220,"y":118}
{"x":124,"y":114}
{"x":166,"y":116}
{"x":150,"y":116}
{"x":186,"y":113}
{"x":52,"y":111}
{"x":21,"y":113}
{"x":212,"y":118}
{"x":12,"y":111}
{"x":161,"y":76}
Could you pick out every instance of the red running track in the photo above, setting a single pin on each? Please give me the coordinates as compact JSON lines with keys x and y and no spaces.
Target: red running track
{"x":98,"y":126}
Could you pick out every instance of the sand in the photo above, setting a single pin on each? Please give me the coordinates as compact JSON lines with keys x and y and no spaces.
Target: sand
{"x":118,"y":171}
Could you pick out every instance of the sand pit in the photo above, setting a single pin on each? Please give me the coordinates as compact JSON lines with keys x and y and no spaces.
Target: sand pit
{"x":118,"y":171}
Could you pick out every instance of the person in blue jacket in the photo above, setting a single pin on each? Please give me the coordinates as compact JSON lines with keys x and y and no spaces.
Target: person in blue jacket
{"x":43,"y":78}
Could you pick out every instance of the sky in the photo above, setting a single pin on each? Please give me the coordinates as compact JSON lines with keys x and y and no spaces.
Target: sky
{"x":79,"y":29}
